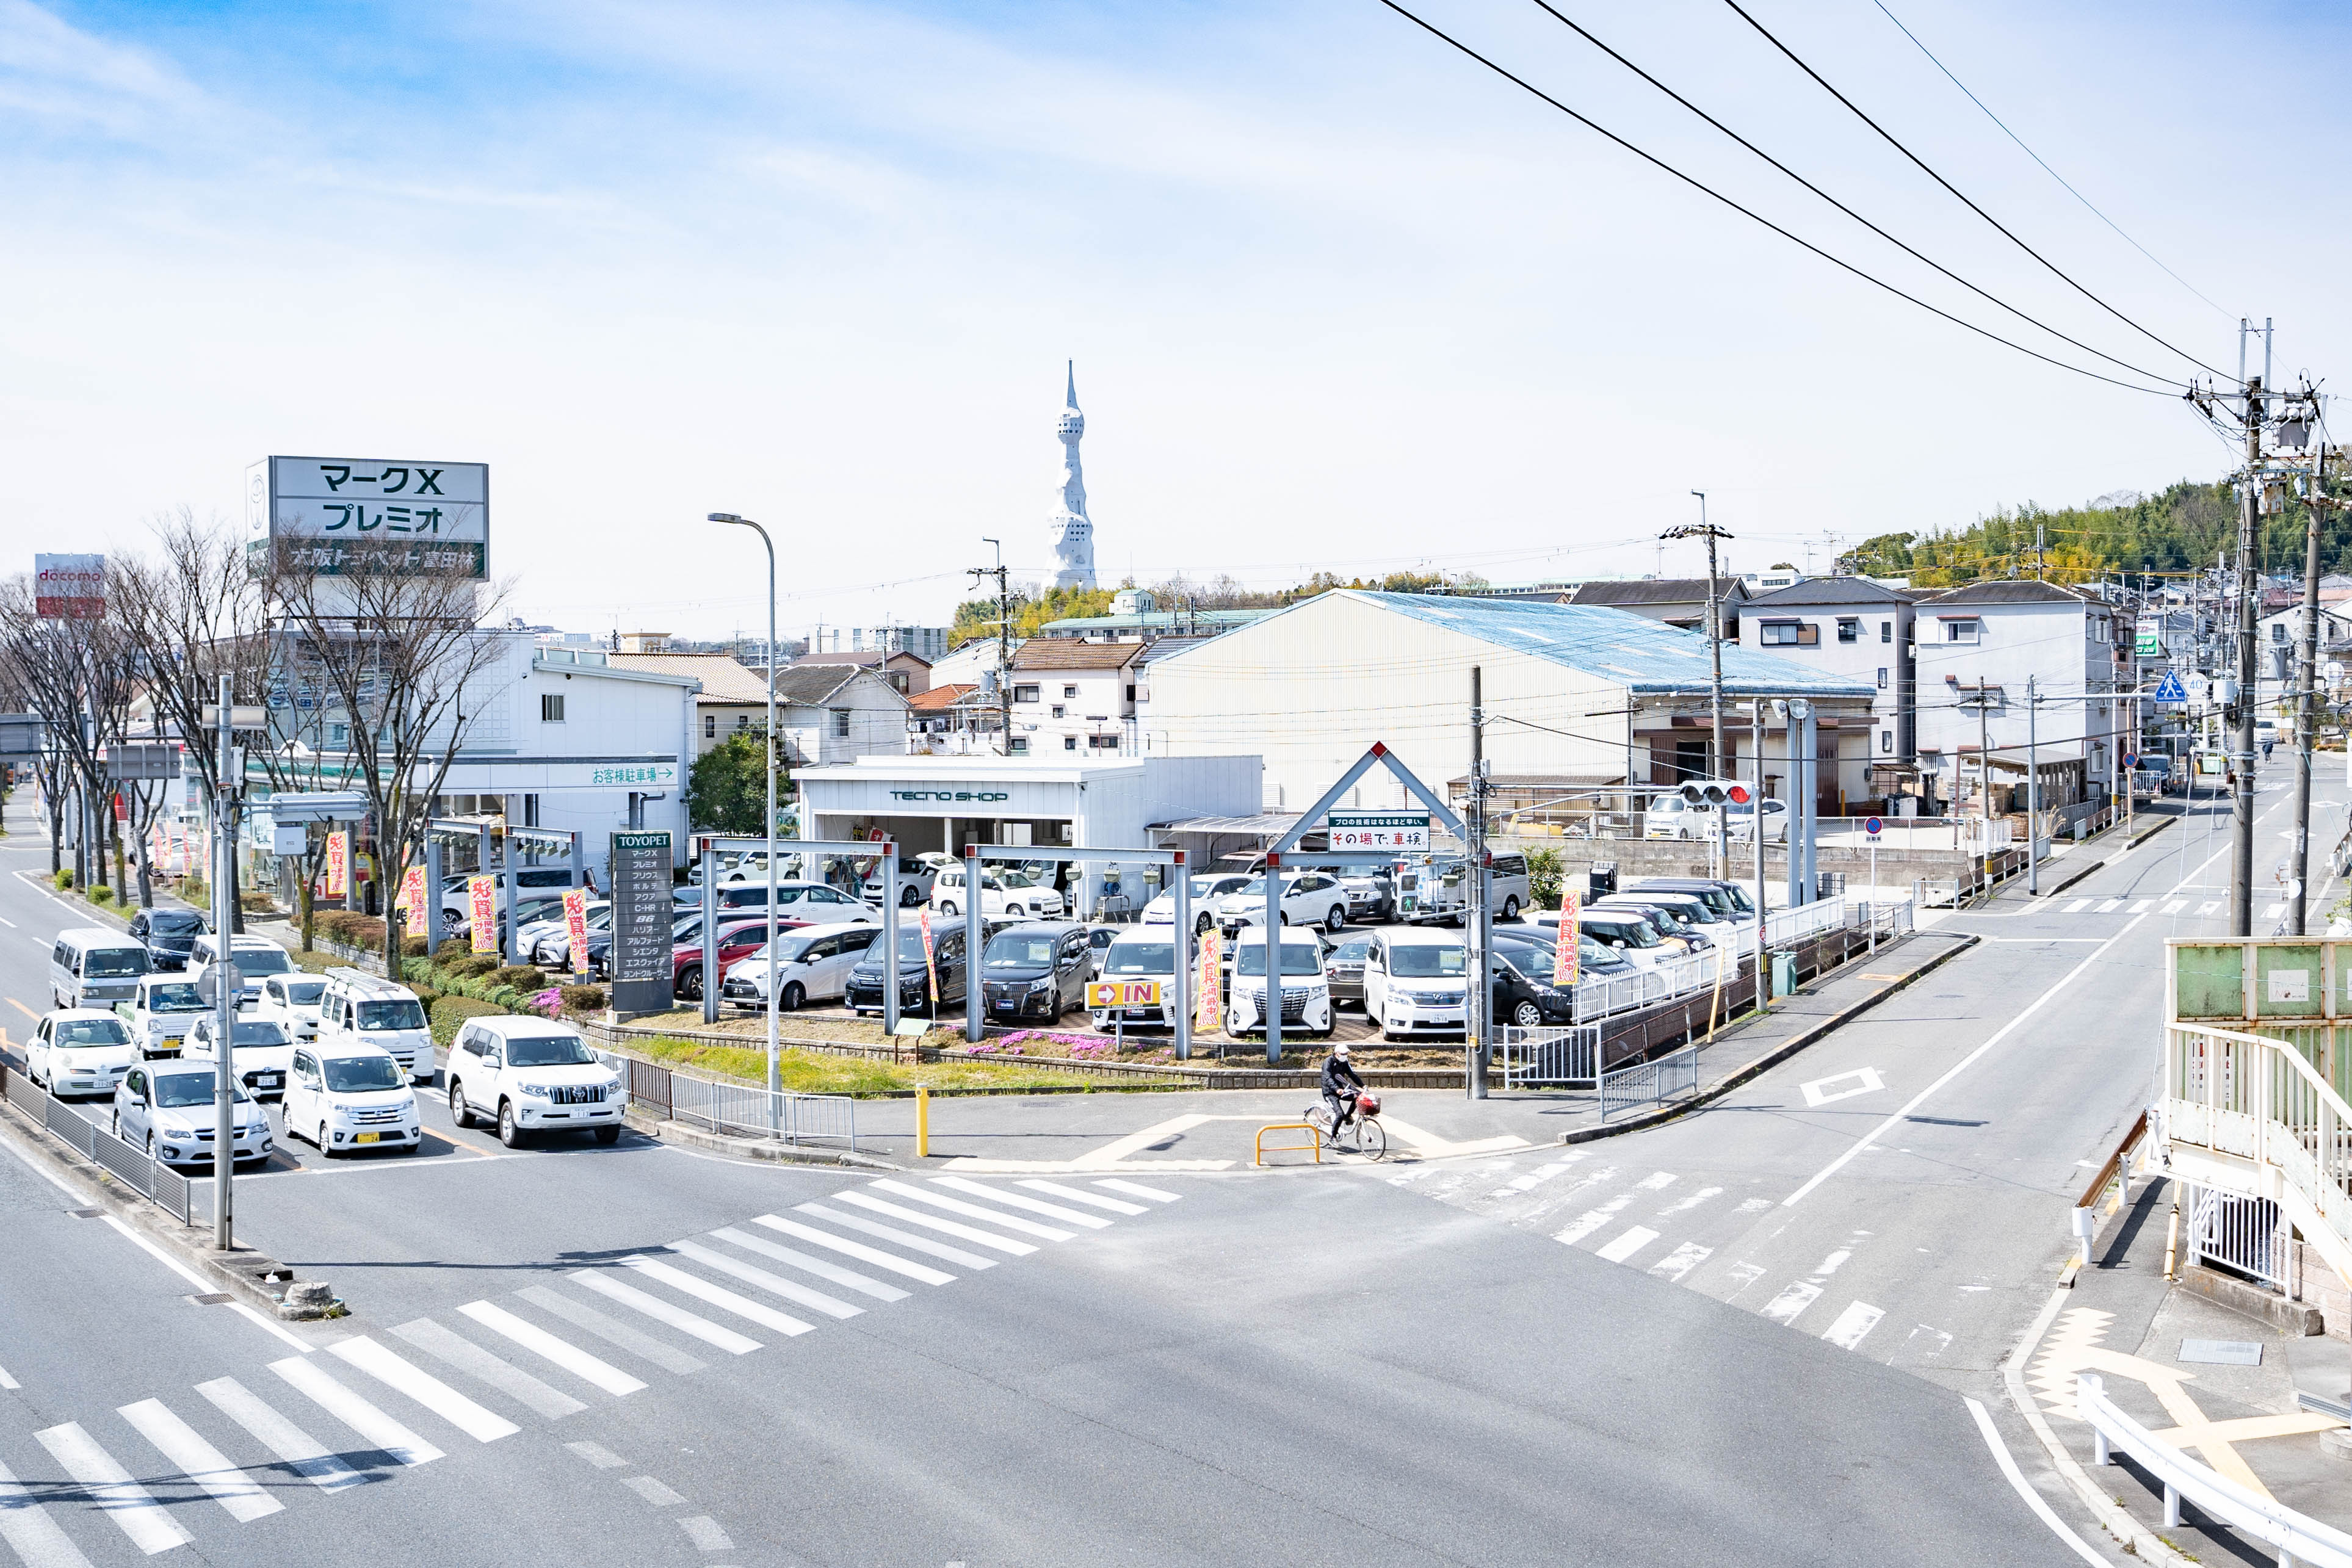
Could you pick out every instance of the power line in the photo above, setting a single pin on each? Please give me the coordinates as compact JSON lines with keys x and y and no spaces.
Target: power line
{"x":1947,"y":185}
{"x":1580,"y":32}
{"x":1657,"y":162}
{"x":2037,"y":157}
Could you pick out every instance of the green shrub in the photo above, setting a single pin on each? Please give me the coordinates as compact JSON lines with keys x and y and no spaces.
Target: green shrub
{"x":521,"y":976}
{"x":1544,"y":874}
{"x":191,"y":890}
{"x":450,"y":1013}
{"x":473,"y":965}
{"x":259,"y":903}
{"x":415,"y":947}
{"x":102,"y":896}
{"x":63,"y":877}
{"x":585,"y":999}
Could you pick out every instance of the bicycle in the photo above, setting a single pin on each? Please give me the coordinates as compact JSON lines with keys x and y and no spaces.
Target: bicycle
{"x":1366,"y":1135}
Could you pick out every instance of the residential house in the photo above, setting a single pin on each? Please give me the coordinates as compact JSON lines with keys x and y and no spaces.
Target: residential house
{"x":952,"y":721}
{"x":1857,"y":629}
{"x":906,"y":672}
{"x":1676,"y":600}
{"x":1074,"y":695}
{"x":1976,"y":647}
{"x":731,"y":699}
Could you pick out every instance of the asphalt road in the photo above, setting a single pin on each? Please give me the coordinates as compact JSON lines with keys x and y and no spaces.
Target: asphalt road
{"x":1741,"y":1337}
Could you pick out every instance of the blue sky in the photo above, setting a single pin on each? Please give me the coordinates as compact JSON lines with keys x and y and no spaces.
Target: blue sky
{"x":1339,"y":299}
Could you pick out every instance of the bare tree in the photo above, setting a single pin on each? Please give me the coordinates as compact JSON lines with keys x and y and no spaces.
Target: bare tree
{"x":398,"y":647}
{"x":80,"y":676}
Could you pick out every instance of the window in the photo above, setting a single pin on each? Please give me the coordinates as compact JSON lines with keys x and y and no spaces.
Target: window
{"x":1881,"y":677}
{"x":1886,"y":631}
{"x":1963,"y":631}
{"x":1130,"y":693}
{"x":551,"y":708}
{"x":1849,"y":629}
{"x":710,"y":727}
{"x":743,"y":722}
{"x":339,"y":735}
{"x":1069,"y":691}
{"x":2278,"y":630}
{"x":1069,"y":743}
{"x":1791,"y":634}
{"x":840,"y":723}
{"x":1885,"y":740}
{"x":1025,"y":693}
{"x":1058,"y":710}
{"x":1018,"y":747}
{"x":1103,"y":742}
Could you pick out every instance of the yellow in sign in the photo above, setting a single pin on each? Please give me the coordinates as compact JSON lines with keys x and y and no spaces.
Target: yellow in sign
{"x":1106,"y":994}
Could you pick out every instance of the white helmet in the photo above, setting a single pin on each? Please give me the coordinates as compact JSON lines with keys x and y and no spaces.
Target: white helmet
{"x":1341,"y":1051}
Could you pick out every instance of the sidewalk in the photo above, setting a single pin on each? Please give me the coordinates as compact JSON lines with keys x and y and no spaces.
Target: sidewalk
{"x":2146,"y":1340}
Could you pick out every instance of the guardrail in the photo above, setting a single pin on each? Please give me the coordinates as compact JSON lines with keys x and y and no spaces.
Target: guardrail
{"x":2252,"y":1098}
{"x":135,"y":1169}
{"x":2297,"y":1537}
{"x":1551,"y":1055}
{"x":1310,"y":1128}
{"x":738,"y":1109}
{"x":1647,"y":1083}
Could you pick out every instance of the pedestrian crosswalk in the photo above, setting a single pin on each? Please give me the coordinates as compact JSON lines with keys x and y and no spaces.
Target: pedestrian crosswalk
{"x":1703,"y":1236}
{"x":2162,"y":905}
{"x":162,"y":1473}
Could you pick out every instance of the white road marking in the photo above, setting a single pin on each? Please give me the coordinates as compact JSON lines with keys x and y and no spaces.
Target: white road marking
{"x":484,"y":1426}
{"x":790,"y":1290}
{"x":2209,"y":906}
{"x":1833,"y":1264}
{"x":1681,"y":1262}
{"x":2140,"y":908}
{"x":653,"y":1491}
{"x":1593,"y":1220}
{"x":110,"y":1489}
{"x":1074,"y":1196}
{"x":1658,"y":1183}
{"x":1625,"y":1246}
{"x":1135,"y":1190}
{"x":1970,"y":1059}
{"x":1938,"y":1342}
{"x":998,"y":1195}
{"x":2176,"y":906}
{"x":200,"y":1461}
{"x":968,"y":1210}
{"x":1755,"y":1204}
{"x":1858,"y":1318}
{"x":2079,"y":905}
{"x":299,"y":1451}
{"x":864,"y":1284}
{"x":374,"y":1427}
{"x":1684,"y":1206}
{"x":1861,"y":1080}
{"x":611,"y":1330}
{"x":35,"y":1538}
{"x":859,"y":1249}
{"x":2024,"y":1489}
{"x":899,"y":1211}
{"x":704,"y":1532}
{"x":7,"y":1381}
{"x":596,"y":1453}
{"x":562,"y":1351}
{"x":2272,"y":911}
{"x":2109,"y":905}
{"x":1744,"y":1275}
{"x":1784,"y":1307}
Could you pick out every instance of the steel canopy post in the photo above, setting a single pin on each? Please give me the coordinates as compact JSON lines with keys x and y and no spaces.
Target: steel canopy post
{"x":1273,"y":960}
{"x":974,"y":1025}
{"x":431,"y":913}
{"x":889,"y":945}
{"x":710,"y":928}
{"x":1180,"y":953}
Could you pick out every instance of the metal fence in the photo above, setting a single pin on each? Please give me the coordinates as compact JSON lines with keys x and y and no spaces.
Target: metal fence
{"x":134,"y":1167}
{"x":1549,"y":1056}
{"x":737,"y":1109}
{"x":1643,"y":1082}
{"x":2243,"y":1235}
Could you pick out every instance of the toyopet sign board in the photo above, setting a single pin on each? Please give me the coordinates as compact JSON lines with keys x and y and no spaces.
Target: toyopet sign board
{"x":642,"y":917}
{"x":1405,"y":832}
{"x":337,"y":517}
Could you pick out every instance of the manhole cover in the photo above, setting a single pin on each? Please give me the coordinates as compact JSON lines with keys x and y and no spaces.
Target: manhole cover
{"x":2221,"y":1351}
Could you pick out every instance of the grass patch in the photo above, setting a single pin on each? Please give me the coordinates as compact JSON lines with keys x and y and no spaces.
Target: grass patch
{"x":813,"y":1072}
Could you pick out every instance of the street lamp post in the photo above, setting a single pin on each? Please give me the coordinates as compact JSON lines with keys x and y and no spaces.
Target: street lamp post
{"x":710,"y":935}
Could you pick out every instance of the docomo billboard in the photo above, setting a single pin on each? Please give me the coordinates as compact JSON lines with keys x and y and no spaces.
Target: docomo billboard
{"x":338,"y":517}
{"x":1403,"y":833}
{"x":70,"y":586}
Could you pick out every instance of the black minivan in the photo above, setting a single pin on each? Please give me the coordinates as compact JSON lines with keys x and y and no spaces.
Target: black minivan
{"x":168,"y":934}
{"x":1037,"y":970}
{"x":864,"y":991}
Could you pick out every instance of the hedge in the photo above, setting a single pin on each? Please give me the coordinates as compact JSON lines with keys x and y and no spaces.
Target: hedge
{"x":450,"y":1013}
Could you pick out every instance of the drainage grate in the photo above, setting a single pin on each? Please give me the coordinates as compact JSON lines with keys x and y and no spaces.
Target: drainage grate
{"x":84,"y":1213}
{"x":218,"y":1299}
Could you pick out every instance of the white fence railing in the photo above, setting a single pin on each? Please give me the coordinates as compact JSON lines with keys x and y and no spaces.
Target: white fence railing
{"x":741,"y":1110}
{"x":2247,"y":1097}
{"x":1553,"y":1055}
{"x":2296,"y":1538}
{"x":1605,"y":996}
{"x":2245,"y":1235}
{"x":135,"y":1169}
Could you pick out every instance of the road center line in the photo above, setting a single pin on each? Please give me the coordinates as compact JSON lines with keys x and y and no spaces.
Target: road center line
{"x":1960,"y":1066}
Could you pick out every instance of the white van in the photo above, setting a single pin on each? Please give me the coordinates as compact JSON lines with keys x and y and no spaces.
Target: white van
{"x":94,"y":967}
{"x":346,"y":1097}
{"x":1306,"y":989}
{"x":357,"y":1010}
{"x":253,"y":956}
{"x":1415,"y":982}
{"x":1141,"y":952}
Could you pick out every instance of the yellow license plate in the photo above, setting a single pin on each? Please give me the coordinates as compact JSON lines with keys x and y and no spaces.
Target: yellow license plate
{"x":367,"y":1137}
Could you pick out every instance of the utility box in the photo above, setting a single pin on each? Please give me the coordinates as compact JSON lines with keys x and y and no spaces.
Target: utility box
{"x":1601,"y":879}
{"x":1784,"y":974}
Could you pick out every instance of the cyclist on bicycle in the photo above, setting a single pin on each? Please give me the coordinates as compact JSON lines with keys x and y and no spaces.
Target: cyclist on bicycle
{"x":1341,"y":1086}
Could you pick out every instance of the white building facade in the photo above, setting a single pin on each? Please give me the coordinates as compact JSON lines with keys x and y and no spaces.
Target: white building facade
{"x":1977,"y":646}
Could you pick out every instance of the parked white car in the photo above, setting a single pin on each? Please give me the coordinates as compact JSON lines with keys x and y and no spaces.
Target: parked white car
{"x":344,"y":1097}
{"x":1415,"y":982}
{"x":364,"y":1010}
{"x":915,"y":878}
{"x":1306,"y":989}
{"x":80,"y":1050}
{"x":1310,"y":898}
{"x":292,"y":1000}
{"x":1672,"y":817}
{"x":814,"y":961}
{"x":261,"y":1052}
{"x":1206,"y":889}
{"x":1742,"y":819}
{"x":547,"y":942}
{"x":1140,"y":953}
{"x":532,"y":1075}
{"x":1006,"y":891}
{"x":167,"y":1109}
{"x":158,"y":1013}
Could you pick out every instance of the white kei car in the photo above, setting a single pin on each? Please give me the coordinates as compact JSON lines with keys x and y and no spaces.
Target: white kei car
{"x":344,"y":1097}
{"x":1309,"y":898}
{"x":261,"y":1052}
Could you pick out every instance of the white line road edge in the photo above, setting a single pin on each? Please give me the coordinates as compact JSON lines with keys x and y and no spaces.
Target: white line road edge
{"x":2033,"y":1500}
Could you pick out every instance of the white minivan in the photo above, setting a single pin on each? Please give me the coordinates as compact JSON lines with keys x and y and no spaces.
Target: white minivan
{"x":1306,"y":989}
{"x":1141,"y":952}
{"x":1415,"y":981}
{"x":358,"y":1008}
{"x":253,"y":956}
{"x":343,"y":1097}
{"x":95,"y":968}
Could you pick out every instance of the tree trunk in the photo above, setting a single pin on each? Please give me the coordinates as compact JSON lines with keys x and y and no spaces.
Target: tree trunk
{"x":122,"y":875}
{"x":56,"y":833}
{"x":235,"y":881}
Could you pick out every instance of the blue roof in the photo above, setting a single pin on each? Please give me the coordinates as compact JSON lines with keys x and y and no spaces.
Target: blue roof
{"x":1633,"y":651}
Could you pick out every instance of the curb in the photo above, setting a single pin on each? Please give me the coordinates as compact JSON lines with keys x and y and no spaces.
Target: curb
{"x":2142,"y":837}
{"x":1770,"y":1059}
{"x":754,"y":1149}
{"x":2056,"y":888}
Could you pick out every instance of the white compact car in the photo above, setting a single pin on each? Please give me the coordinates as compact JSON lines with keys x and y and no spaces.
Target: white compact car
{"x":1415,"y":982}
{"x":1310,"y":898}
{"x":261,"y":1052}
{"x":532,"y":1076}
{"x":346,"y":1097}
{"x":292,"y":1000}
{"x":1306,"y":989}
{"x":915,"y":879}
{"x":159,"y":1013}
{"x":1003,"y":891}
{"x":1139,"y":953}
{"x":167,"y":1109}
{"x":81,"y":1051}
{"x":255,"y":956}
{"x":814,"y":961}
{"x":1206,"y":890}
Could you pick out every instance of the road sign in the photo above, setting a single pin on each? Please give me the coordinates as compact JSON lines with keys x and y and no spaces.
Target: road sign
{"x":1873,"y":826}
{"x":142,"y":760}
{"x":2169,"y":691}
{"x":2131,"y":759}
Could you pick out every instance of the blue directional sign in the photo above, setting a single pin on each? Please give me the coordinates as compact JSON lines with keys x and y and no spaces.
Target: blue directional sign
{"x":2168,"y":691}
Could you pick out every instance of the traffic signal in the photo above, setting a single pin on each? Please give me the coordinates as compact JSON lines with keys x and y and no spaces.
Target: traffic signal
{"x":1713,"y":795}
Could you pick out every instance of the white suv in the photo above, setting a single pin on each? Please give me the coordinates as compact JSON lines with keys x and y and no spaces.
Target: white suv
{"x":346,"y":1097}
{"x":358,"y":1008}
{"x":532,"y":1076}
{"x":1308,"y":898}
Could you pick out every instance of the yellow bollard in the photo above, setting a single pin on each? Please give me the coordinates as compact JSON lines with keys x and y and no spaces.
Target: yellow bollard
{"x":922,"y":1123}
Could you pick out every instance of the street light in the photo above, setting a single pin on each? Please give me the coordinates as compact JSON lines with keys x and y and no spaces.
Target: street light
{"x":710,"y":869}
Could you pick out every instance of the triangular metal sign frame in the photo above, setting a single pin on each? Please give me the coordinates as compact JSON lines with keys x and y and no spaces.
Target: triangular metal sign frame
{"x":1381,"y":755}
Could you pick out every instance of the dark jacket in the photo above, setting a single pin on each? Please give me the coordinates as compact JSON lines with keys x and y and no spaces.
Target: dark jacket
{"x":1338,"y":1074}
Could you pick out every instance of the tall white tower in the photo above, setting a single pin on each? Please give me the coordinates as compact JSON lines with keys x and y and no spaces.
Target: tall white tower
{"x":1073,"y":531}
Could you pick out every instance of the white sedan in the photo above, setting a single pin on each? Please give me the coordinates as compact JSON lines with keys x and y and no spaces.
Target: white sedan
{"x":1162,"y":911}
{"x":80,"y":1050}
{"x":1310,"y":898}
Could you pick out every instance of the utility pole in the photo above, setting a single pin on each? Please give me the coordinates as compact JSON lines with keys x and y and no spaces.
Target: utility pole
{"x":2032,"y":793}
{"x":2307,"y":712}
{"x":1003,"y":645}
{"x":225,"y":987}
{"x":1478,"y":995}
{"x":1720,"y":764}
{"x":2241,"y":798}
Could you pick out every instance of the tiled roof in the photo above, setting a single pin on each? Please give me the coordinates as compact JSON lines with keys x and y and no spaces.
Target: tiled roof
{"x":1069,"y":654}
{"x":1827,"y":590}
{"x":2012,"y":590}
{"x":938,"y":699}
{"x":1658,"y":591}
{"x":723,"y":680}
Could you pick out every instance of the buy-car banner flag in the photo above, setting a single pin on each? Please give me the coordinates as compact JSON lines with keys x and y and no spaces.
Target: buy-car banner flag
{"x":575,"y":927}
{"x":412,"y":896}
{"x":930,"y":963}
{"x":339,"y":863}
{"x":482,"y":914}
{"x":1564,"y":957}
{"x":1205,"y":1003}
